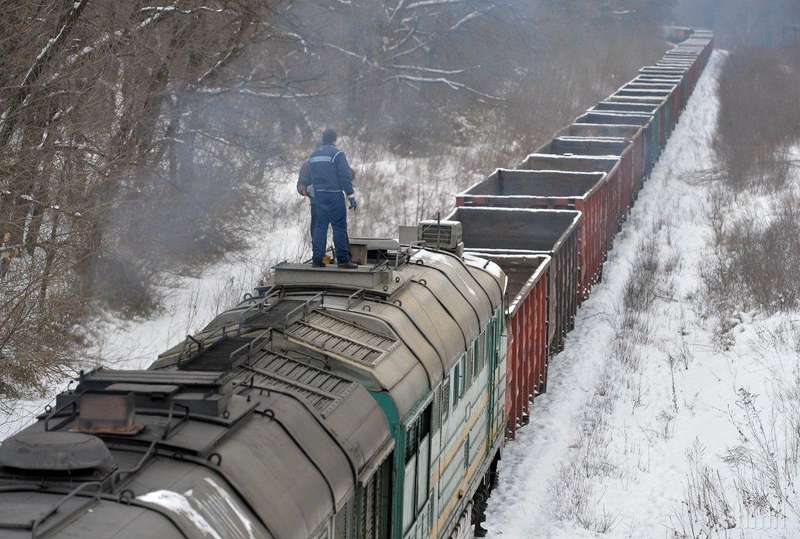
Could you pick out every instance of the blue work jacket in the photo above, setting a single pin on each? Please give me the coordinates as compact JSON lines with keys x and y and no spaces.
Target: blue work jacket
{"x":327,"y":169}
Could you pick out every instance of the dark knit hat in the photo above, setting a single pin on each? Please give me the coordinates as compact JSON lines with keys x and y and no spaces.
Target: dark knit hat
{"x":329,"y":136}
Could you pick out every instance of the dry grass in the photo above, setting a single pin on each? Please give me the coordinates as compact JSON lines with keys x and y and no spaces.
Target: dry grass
{"x":759,"y":117}
{"x":757,"y":260}
{"x":575,"y":493}
{"x":706,"y":509}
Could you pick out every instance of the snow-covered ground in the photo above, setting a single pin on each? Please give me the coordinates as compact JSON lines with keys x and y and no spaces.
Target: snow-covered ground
{"x":652,"y":426}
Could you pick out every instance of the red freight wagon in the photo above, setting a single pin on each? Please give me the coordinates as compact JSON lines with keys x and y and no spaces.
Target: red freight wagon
{"x":704,"y":40}
{"x":676,"y":34}
{"x":690,"y":67}
{"x":673,"y":87}
{"x":681,"y":82}
{"x":660,"y":71}
{"x":673,"y":108}
{"x":692,"y":64}
{"x":633,"y":133}
{"x":601,"y":147}
{"x":527,"y":314}
{"x":584,"y":191}
{"x":664,"y":71}
{"x":670,"y":71}
{"x":554,"y":233}
{"x":646,"y":122}
{"x":690,"y":59}
{"x":570,"y":163}
{"x":657,"y":108}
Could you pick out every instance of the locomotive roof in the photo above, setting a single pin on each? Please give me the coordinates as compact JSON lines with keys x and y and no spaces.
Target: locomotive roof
{"x":210,"y":432}
{"x":396,"y":327}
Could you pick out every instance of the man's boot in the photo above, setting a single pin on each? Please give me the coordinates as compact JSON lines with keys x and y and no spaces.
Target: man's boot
{"x":347,"y":265}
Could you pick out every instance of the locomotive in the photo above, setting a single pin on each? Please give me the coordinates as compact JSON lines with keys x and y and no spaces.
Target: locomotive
{"x":335,"y":403}
{"x":371,"y":403}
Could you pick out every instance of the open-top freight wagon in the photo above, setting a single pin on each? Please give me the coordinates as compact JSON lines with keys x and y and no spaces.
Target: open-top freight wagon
{"x":648,"y":123}
{"x":610,"y":165}
{"x":528,"y":310}
{"x":683,"y":90}
{"x":667,"y":95}
{"x":639,"y":106}
{"x":553,"y":233}
{"x":587,"y":192}
{"x":621,"y":176}
{"x":634,"y":134}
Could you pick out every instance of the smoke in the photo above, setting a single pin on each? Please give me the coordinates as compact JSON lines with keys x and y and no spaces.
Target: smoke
{"x":744,"y":23}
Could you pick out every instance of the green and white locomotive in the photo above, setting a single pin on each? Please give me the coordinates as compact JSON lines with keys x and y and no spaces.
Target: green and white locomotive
{"x":332,"y":404}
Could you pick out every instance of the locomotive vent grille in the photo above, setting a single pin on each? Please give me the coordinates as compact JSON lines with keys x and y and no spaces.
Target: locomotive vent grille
{"x":322,"y":389}
{"x":441,"y":234}
{"x":331,"y":335}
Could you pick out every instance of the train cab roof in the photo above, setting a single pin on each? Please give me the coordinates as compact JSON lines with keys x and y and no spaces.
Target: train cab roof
{"x":397,"y":324}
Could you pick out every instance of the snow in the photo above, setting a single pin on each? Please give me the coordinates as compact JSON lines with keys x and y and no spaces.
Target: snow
{"x":190,"y":302}
{"x":209,"y":507}
{"x":177,"y":503}
{"x":617,"y":449}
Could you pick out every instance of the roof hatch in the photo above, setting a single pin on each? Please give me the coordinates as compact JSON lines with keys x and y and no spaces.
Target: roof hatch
{"x":55,"y":452}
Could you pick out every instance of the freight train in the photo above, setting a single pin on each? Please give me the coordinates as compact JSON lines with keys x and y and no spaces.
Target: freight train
{"x":370,"y":403}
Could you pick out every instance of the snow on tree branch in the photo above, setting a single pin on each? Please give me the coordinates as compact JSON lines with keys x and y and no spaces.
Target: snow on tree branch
{"x":176,"y":9}
{"x":65,"y":25}
{"x":454,"y":85}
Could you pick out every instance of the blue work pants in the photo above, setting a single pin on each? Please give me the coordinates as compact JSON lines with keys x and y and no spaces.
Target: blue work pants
{"x":329,"y":210}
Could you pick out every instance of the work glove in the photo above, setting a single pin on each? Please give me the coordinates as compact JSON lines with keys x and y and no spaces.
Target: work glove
{"x":353,"y":203}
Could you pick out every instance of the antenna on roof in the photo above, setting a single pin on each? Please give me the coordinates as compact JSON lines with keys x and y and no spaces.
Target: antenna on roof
{"x":438,"y":229}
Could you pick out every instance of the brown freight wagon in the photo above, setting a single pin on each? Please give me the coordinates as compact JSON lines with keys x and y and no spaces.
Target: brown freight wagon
{"x":655,"y":107}
{"x":648,"y":123}
{"x":527,"y":315}
{"x":555,"y":233}
{"x":673,"y":87}
{"x":681,"y":82}
{"x":672,"y":105}
{"x":704,"y":41}
{"x":601,"y":147}
{"x":670,"y":71}
{"x":588,"y":192}
{"x":691,"y":67}
{"x":608,"y":164}
{"x":633,"y":133}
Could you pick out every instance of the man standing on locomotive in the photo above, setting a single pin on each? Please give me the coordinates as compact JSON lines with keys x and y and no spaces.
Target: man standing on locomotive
{"x":326,"y":178}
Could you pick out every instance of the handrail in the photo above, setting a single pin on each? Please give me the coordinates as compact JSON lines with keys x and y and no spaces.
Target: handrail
{"x":304,"y":306}
{"x":57,"y":412}
{"x":54,"y":509}
{"x":264,"y":335}
{"x":352,"y":299}
{"x":151,"y":450}
{"x":170,"y":427}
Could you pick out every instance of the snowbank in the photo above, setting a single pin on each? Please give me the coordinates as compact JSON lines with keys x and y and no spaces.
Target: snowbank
{"x":641,"y":418}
